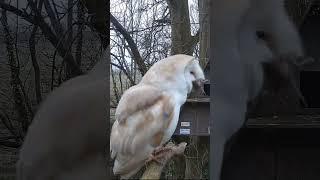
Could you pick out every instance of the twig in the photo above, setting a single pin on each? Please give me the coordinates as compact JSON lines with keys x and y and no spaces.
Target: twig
{"x":134,"y":49}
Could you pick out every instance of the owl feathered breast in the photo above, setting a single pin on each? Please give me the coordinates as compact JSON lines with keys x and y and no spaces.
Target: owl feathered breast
{"x":148,"y":113}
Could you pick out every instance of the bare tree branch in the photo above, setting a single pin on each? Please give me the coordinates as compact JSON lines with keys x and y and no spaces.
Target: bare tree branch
{"x":304,"y":16}
{"x":8,"y":124}
{"x":55,"y":9}
{"x":195,"y":39}
{"x":122,"y":68}
{"x":18,"y":12}
{"x":18,"y":91}
{"x":80,"y":27}
{"x":115,"y":90}
{"x":55,"y":22}
{"x":10,"y":144}
{"x":55,"y":40}
{"x":98,"y":10}
{"x":36,"y":69}
{"x":136,"y":54}
{"x":70,"y":32}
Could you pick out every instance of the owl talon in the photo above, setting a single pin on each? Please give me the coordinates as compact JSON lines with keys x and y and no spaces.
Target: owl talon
{"x":153,"y":158}
{"x":157,"y":154}
{"x":160,"y":150}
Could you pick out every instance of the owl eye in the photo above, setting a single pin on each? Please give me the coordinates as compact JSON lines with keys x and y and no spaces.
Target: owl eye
{"x":191,"y":72}
{"x":262,"y":35}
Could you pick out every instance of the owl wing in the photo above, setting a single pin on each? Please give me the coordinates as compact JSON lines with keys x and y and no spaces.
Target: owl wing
{"x":135,"y":99}
{"x":134,"y":138}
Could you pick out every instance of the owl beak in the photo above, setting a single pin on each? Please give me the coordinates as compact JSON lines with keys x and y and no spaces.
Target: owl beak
{"x":282,"y":70}
{"x":199,"y":85}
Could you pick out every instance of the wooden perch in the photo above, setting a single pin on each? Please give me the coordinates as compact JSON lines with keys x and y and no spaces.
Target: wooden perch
{"x":154,"y":169}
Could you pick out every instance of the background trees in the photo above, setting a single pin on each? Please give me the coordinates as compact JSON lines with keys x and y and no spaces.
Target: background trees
{"x":46,"y":42}
{"x":43,"y":43}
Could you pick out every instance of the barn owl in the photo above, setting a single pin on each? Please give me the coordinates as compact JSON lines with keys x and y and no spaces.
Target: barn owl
{"x":148,"y":113}
{"x":67,"y":137}
{"x":245,"y":35}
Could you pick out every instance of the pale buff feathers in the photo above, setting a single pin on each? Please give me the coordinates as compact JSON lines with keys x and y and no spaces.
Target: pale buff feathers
{"x":147,"y":113}
{"x":133,"y":141}
{"x":170,"y":69}
{"x":136,"y":98}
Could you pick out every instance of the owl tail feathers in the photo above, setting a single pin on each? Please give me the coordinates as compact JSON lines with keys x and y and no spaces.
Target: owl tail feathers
{"x":127,"y":169}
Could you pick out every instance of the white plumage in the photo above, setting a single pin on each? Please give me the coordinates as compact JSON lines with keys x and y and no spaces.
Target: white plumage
{"x":66,"y":140}
{"x":246,"y":35}
{"x":148,"y":113}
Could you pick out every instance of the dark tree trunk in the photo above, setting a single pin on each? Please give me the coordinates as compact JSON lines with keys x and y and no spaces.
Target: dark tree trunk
{"x":20,"y":99}
{"x":182,"y":41}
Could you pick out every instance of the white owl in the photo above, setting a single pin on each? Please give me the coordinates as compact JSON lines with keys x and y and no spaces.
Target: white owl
{"x":66,"y":139}
{"x":148,"y":113}
{"x":247,"y":36}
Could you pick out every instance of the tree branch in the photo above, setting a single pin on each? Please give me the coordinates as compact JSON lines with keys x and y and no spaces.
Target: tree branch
{"x":55,"y":23}
{"x":80,"y":18}
{"x":37,"y":19}
{"x":136,"y":55}
{"x":56,"y":42}
{"x":121,"y":67}
{"x":36,"y":69}
{"x":195,"y":39}
{"x":8,"y":124}
{"x":17,"y":88}
{"x":18,"y":12}
{"x":304,"y":16}
{"x":154,"y":169}
{"x":10,"y":144}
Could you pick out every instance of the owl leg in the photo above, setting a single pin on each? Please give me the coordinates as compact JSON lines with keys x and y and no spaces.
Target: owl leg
{"x":152,"y":158}
{"x":158,"y":153}
{"x":161,"y":149}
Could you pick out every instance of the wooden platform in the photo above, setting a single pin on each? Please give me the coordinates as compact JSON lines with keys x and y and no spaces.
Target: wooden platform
{"x":297,"y":121}
{"x":267,"y":148}
{"x":284,"y":121}
{"x":195,"y":118}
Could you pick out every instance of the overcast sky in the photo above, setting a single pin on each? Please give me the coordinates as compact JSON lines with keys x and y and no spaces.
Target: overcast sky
{"x":118,"y":9}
